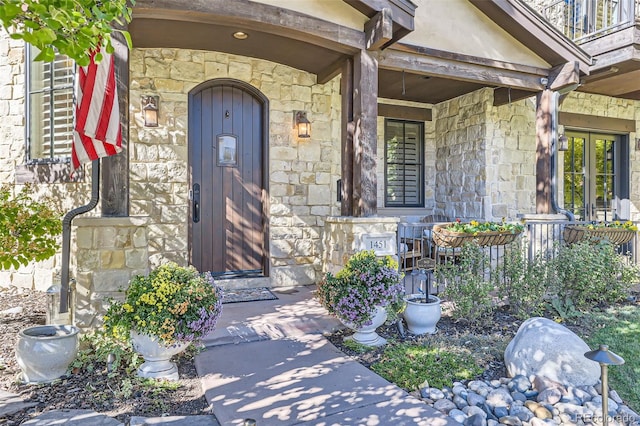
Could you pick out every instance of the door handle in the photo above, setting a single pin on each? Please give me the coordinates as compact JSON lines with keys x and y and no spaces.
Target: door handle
{"x":196,"y":203}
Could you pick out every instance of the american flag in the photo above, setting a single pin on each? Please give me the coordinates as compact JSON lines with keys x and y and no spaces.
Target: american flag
{"x":97,"y":130}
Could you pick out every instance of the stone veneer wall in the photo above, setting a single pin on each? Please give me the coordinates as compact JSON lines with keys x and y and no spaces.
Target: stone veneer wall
{"x":344,"y":236}
{"x":485,"y":157}
{"x":110,"y":251}
{"x":36,"y":275}
{"x":302,"y":174}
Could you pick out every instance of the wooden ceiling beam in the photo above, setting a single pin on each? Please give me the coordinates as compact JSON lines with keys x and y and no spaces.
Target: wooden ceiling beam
{"x":379,"y":30}
{"x":329,"y":72}
{"x":565,"y":77}
{"x":459,"y":67}
{"x":505,"y":96}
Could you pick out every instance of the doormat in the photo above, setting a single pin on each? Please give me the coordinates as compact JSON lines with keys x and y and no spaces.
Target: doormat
{"x":247,"y":295}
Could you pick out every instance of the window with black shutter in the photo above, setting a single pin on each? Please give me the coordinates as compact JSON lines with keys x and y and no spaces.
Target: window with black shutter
{"x":404,"y":163}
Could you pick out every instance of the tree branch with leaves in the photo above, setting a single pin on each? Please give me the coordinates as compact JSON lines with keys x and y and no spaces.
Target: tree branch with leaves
{"x":74,"y":28}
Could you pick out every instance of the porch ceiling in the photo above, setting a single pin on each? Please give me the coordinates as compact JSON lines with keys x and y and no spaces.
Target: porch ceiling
{"x":154,"y":33}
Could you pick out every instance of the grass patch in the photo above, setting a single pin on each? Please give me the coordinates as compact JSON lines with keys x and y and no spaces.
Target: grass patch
{"x":409,"y":365}
{"x":619,"y":328}
{"x":357,"y":347}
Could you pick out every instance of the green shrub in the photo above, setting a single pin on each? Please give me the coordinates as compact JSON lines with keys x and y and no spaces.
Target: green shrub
{"x":587,"y":274}
{"x":523,"y":283}
{"x":28,"y":228}
{"x":465,"y":284}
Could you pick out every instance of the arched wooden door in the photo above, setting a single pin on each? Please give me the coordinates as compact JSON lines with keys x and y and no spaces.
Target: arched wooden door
{"x":227,"y":153}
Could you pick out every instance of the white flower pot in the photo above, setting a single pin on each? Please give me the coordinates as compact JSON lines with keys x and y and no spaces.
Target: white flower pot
{"x":366,"y":335}
{"x":157,"y":357}
{"x":421,"y":316}
{"x":45,"y":352}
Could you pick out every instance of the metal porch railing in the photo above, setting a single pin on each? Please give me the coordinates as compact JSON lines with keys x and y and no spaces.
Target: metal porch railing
{"x":418,"y":255}
{"x":583,"y":20}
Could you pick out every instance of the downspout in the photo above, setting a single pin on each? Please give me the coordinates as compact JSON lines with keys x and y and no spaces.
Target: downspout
{"x":66,"y":234}
{"x":554,"y":159}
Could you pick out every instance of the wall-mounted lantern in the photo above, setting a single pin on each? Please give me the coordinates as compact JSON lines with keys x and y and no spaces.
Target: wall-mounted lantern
{"x":302,"y":124}
{"x":150,"y":110}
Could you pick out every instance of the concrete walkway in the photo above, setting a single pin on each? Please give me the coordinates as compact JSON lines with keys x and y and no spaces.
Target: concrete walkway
{"x":268,"y":361}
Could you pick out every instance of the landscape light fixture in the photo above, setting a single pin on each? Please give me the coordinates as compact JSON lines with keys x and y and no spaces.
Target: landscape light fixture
{"x":604,"y":357}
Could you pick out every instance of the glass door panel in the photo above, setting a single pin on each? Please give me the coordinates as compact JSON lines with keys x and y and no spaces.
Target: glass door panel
{"x":590,"y":175}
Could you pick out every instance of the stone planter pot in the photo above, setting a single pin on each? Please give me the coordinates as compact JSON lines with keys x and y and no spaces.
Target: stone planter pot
{"x":45,"y":352}
{"x":443,"y":237}
{"x":574,"y":233}
{"x":422,"y":314}
{"x":157,"y":357}
{"x":366,"y":335}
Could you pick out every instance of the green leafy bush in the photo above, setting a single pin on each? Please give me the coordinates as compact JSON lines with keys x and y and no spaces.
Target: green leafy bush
{"x":587,"y":274}
{"x":28,"y":228}
{"x":465,"y":284}
{"x":523,"y":284}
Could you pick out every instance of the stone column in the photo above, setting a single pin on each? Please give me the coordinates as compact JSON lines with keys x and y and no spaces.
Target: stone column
{"x":344,"y":236}
{"x":108,"y":253}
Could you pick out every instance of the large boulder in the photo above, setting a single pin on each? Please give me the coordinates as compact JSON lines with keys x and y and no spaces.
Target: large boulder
{"x":542,"y":347}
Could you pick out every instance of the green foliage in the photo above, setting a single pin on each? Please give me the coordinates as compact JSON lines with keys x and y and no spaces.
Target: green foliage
{"x":365,"y":282}
{"x":72,"y":27}
{"x":522,"y":283}
{"x":28,"y":228}
{"x":475,"y":227}
{"x":409,"y":365}
{"x":587,"y":274}
{"x":465,"y":284}
{"x":619,"y":328}
{"x":95,"y":348}
{"x":173,"y":303}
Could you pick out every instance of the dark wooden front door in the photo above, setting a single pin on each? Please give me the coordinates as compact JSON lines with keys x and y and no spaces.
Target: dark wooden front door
{"x":227,"y":230}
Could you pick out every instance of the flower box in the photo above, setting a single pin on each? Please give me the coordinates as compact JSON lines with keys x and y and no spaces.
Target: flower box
{"x":444,"y":237}
{"x":575,"y":233}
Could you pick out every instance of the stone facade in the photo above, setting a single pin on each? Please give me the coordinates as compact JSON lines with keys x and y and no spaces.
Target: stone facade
{"x":479,"y":160}
{"x":303,"y":174}
{"x":109,"y":252}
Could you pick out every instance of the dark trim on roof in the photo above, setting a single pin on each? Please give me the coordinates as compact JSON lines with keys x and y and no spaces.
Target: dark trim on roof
{"x":529,"y":28}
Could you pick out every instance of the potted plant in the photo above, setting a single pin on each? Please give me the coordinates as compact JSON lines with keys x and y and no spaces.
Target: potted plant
{"x":422,"y":311}
{"x":29,"y":231}
{"x":363,"y":294}
{"x":453,"y":235}
{"x":615,"y":232}
{"x":164,"y":312}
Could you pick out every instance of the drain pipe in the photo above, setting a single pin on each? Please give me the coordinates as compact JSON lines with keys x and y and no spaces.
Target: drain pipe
{"x":66,"y":235}
{"x":554,"y":159}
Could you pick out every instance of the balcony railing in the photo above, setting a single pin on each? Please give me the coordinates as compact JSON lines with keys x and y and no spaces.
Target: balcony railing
{"x":583,"y":20}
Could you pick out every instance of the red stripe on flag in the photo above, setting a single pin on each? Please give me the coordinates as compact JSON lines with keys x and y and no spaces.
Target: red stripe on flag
{"x":97,"y":115}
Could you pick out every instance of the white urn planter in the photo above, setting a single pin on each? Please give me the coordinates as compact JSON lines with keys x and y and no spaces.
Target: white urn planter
{"x":366,"y":335}
{"x":157,"y":357}
{"x":422,"y":313}
{"x":45,"y":352}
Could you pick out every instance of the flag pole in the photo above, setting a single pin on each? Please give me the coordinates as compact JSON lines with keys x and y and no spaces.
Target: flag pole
{"x":66,"y":234}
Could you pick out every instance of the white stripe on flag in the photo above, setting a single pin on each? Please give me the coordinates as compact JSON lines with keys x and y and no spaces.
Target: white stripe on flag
{"x":97,"y":122}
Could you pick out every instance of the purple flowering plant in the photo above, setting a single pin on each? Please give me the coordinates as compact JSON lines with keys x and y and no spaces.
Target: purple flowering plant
{"x":365,"y":282}
{"x":173,"y":303}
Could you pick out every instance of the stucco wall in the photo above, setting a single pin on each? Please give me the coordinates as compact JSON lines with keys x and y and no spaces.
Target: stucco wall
{"x":302,"y":172}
